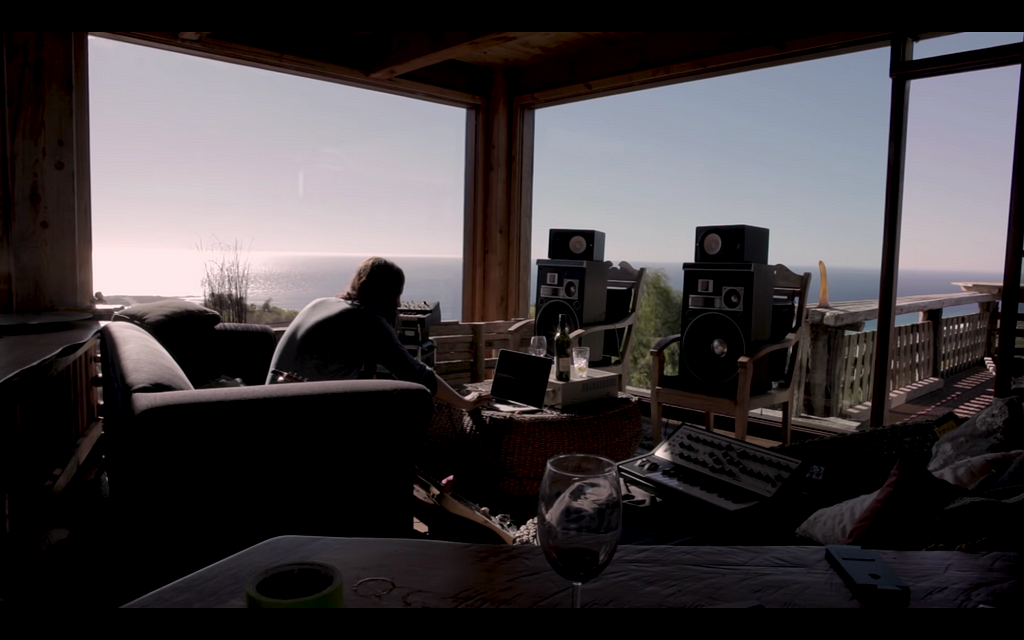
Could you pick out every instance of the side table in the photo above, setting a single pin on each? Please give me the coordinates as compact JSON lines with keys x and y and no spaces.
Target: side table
{"x":498,"y":459}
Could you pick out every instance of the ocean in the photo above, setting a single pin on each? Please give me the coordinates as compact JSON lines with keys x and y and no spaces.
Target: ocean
{"x":292,"y":280}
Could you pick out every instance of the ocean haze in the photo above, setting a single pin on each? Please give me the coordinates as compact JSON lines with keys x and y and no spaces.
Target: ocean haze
{"x":292,"y":280}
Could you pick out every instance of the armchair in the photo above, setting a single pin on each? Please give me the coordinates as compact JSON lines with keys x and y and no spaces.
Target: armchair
{"x":671,"y":391}
{"x":197,"y":474}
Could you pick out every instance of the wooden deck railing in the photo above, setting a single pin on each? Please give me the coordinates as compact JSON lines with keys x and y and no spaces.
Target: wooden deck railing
{"x":459,"y":356}
{"x":962,"y":343}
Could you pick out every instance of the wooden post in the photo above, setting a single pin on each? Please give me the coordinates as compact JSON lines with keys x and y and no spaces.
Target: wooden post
{"x":825,"y":373}
{"x":45,"y":237}
{"x":1011,"y":265}
{"x":6,"y":266}
{"x":990,"y":310}
{"x":497,"y":228}
{"x":901,"y":50}
{"x":934,"y":316}
{"x":479,"y":368}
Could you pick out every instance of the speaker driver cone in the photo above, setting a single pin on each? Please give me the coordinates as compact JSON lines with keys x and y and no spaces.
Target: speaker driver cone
{"x":711,"y":346}
{"x":578,"y":244}
{"x":712,"y":244}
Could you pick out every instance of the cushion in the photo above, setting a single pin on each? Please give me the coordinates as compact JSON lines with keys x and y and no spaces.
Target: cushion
{"x":980,"y":524}
{"x":146,"y":365}
{"x":900,"y":514}
{"x":832,"y":525}
{"x":979,"y":471}
{"x":1011,"y":482}
{"x":173,"y":315}
{"x":997,"y":428}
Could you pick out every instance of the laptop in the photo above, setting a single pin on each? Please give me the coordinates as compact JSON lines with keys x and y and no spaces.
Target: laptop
{"x":520,"y":382}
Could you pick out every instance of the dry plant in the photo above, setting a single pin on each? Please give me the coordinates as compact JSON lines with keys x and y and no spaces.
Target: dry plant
{"x":226,"y":279}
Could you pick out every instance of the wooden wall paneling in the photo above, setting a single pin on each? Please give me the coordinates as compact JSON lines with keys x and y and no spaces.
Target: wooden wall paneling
{"x":83,"y":173}
{"x":6,"y":250}
{"x":521,"y":214}
{"x":46,"y":220}
{"x":496,"y":209}
{"x":499,"y":161}
{"x":473,"y":223}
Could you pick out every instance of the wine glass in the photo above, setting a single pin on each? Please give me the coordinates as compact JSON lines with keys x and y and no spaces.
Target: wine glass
{"x":538,"y":345}
{"x":579,"y":517}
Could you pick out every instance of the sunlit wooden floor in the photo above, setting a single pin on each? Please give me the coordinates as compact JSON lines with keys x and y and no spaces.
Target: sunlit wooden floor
{"x":965,"y":394}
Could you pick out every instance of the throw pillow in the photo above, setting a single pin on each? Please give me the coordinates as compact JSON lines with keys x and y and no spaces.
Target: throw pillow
{"x":903,"y":509}
{"x":832,"y":525}
{"x":997,"y":428}
{"x":169,"y":315}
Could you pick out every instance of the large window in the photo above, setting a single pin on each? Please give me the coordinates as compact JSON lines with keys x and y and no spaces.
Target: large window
{"x":799,"y":149}
{"x":305,"y":177}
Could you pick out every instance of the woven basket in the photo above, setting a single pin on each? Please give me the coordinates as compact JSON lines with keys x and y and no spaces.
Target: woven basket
{"x":495,"y":454}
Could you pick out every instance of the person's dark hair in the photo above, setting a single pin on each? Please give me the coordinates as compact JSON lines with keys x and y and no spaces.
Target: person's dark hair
{"x":376,"y":285}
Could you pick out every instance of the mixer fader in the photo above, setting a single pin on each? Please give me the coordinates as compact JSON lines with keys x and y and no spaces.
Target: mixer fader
{"x":729,"y":473}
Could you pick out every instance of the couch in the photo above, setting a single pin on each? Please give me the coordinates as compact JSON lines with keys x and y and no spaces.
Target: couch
{"x":204,"y":459}
{"x":944,"y":484}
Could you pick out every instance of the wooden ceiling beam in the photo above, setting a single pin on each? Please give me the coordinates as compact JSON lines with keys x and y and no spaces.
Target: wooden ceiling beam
{"x":417,"y":50}
{"x":194,"y":36}
{"x":224,"y":51}
{"x":650,"y":63}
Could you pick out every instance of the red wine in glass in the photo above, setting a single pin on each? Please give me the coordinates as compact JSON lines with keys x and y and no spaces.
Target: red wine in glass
{"x":579,"y":517}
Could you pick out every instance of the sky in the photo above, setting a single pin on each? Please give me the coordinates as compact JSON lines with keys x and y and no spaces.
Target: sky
{"x":186,"y":149}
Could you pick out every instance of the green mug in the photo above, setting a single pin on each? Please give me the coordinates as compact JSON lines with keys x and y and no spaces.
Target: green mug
{"x":298,"y":585}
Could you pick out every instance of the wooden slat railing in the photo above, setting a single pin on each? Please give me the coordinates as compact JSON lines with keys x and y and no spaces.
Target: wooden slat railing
{"x":964,"y":340}
{"x":963,"y":344}
{"x":858,"y":359}
{"x":911,"y":354}
{"x":468,"y":352}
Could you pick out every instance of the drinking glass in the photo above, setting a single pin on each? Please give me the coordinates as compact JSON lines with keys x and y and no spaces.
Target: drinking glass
{"x":579,"y":517}
{"x":580,"y":360}
{"x":539,"y":345}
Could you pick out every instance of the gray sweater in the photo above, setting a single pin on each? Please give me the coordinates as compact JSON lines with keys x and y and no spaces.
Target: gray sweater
{"x":333,"y":339}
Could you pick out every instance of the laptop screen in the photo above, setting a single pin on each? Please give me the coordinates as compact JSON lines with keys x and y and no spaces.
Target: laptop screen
{"x":521,"y":377}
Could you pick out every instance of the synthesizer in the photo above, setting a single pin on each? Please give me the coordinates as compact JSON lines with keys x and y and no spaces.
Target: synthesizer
{"x":728,"y":473}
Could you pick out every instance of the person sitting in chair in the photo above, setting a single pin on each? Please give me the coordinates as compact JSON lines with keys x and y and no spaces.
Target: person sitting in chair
{"x":337,"y":338}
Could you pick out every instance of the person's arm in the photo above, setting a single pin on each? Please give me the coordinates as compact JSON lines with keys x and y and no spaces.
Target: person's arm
{"x":467,"y":403}
{"x":396,"y":359}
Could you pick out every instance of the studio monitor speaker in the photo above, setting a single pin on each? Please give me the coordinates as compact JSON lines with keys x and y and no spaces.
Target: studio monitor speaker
{"x":727,"y":313}
{"x":732,"y":243}
{"x":576,"y":244}
{"x":578,"y":289}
